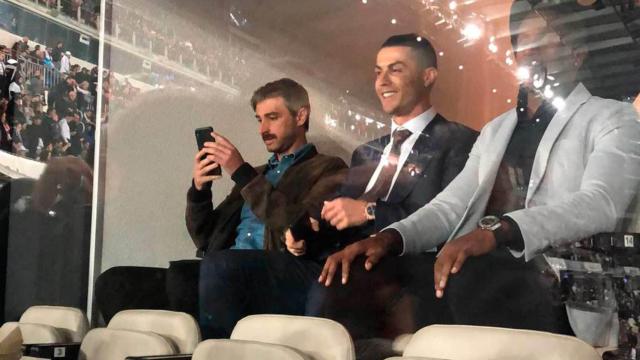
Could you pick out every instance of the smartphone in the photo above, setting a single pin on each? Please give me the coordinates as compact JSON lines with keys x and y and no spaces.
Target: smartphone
{"x":203,"y":135}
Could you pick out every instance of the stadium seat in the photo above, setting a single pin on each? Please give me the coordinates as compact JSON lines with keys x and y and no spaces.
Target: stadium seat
{"x":10,"y":342}
{"x":71,"y":323}
{"x":42,"y":325}
{"x":461,"y":342}
{"x":316,"y":338}
{"x":115,"y":344}
{"x":180,"y":329}
{"x":222,"y":349}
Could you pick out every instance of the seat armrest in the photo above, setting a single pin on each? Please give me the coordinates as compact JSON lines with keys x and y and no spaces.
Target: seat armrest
{"x":62,"y":351}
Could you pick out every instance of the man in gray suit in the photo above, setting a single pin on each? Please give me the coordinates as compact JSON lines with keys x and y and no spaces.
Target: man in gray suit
{"x":561,"y":166}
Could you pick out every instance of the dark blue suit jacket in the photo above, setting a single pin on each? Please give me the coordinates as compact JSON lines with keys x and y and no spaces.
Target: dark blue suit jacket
{"x":436,"y":158}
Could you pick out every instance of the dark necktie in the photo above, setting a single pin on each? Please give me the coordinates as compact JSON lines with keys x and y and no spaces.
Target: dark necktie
{"x":381,"y":187}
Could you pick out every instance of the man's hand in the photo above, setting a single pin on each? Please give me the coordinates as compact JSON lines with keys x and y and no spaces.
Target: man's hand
{"x":224,"y":153}
{"x":374,"y":248}
{"x":298,"y":247}
{"x":454,"y":253}
{"x":344,"y":212}
{"x":202,"y":166}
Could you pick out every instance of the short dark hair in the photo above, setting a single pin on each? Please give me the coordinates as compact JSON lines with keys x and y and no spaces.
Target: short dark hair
{"x":295,"y":96}
{"x":552,"y":12}
{"x":423,"y":48}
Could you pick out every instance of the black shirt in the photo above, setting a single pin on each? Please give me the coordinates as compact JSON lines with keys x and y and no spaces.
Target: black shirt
{"x":512,"y":181}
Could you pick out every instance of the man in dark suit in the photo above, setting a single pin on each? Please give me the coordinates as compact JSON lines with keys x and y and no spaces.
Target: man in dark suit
{"x":389,"y":179}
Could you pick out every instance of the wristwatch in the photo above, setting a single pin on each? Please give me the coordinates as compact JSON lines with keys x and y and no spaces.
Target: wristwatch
{"x":370,"y":211}
{"x":490,"y":223}
{"x":500,"y":233}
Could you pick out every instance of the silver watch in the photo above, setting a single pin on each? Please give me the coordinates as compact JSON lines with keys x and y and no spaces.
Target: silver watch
{"x":370,"y":211}
{"x":490,"y":223}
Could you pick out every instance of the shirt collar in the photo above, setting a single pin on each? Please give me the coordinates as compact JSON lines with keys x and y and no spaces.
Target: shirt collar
{"x":418,"y":123}
{"x":294,"y":157}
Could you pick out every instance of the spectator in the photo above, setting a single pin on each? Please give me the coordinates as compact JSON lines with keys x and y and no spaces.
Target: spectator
{"x":3,"y":77}
{"x":17,"y":142}
{"x":5,"y":133}
{"x":36,"y":53}
{"x":67,"y":104}
{"x":58,"y":91}
{"x":77,"y":129}
{"x":20,"y":47}
{"x":36,"y":136}
{"x":52,"y":124}
{"x":36,"y":84}
{"x":56,"y":55}
{"x":85,"y":98}
{"x":15,"y":89}
{"x":65,"y":131}
{"x":65,"y":62}
{"x":47,"y":60}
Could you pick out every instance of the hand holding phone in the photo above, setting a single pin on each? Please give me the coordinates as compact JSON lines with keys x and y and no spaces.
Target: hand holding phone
{"x":204,"y":169}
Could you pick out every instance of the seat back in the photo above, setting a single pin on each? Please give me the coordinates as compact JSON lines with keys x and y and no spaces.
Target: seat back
{"x":10,"y":341}
{"x":111,"y":344}
{"x":70,"y":322}
{"x":460,"y":342}
{"x":180,"y":328}
{"x":319,"y":339}
{"x":244,"y":350}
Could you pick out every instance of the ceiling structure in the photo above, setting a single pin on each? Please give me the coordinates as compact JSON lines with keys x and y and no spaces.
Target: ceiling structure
{"x":335,"y":41}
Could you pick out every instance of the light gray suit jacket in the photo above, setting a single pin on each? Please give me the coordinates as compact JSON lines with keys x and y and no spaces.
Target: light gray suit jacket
{"x":585,"y":173}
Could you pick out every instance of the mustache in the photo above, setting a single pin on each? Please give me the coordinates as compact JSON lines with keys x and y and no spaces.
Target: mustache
{"x":268,"y":136}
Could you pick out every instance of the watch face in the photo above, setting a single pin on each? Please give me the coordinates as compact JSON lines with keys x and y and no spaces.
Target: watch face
{"x":488,"y":221}
{"x":371,"y":210}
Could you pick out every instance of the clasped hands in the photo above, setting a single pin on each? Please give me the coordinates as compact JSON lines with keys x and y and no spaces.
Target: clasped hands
{"x":341,"y":213}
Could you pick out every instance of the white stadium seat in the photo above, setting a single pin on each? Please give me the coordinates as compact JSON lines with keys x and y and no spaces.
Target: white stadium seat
{"x":460,"y":342}
{"x":222,"y":349}
{"x":42,"y":325}
{"x":70,"y":322}
{"x":112,"y":344}
{"x":319,"y":339}
{"x":179,"y":328}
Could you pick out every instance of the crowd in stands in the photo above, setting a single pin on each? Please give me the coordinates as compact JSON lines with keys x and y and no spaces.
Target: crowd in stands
{"x":85,"y":11}
{"x":216,"y":58}
{"x":44,"y":118}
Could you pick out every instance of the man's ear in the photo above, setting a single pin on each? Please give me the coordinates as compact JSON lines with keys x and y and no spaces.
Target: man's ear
{"x":429,"y":76}
{"x":302,"y":115}
{"x":579,"y":55}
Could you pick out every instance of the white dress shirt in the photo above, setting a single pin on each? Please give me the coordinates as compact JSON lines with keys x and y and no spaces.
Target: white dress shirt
{"x":416,"y":126}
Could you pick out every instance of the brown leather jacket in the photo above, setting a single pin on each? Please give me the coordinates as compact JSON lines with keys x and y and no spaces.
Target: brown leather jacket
{"x":303,"y":188}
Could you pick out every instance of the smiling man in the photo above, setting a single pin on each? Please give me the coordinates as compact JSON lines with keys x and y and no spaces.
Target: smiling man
{"x":246,"y":270}
{"x":389,"y":179}
{"x":560,"y":167}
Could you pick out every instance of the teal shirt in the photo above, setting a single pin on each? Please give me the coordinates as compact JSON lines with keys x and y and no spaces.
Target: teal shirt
{"x":251,"y":229}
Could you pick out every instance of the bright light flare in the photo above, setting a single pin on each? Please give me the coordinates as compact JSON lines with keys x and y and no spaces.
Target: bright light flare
{"x":472,"y":32}
{"x":523,"y":73}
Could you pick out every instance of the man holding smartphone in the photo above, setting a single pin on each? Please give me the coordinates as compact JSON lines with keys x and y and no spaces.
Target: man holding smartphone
{"x":245,"y":270}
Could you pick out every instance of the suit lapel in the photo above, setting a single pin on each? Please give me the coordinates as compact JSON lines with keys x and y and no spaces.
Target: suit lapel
{"x":577,"y":97}
{"x":490,"y":159}
{"x":360,"y":173}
